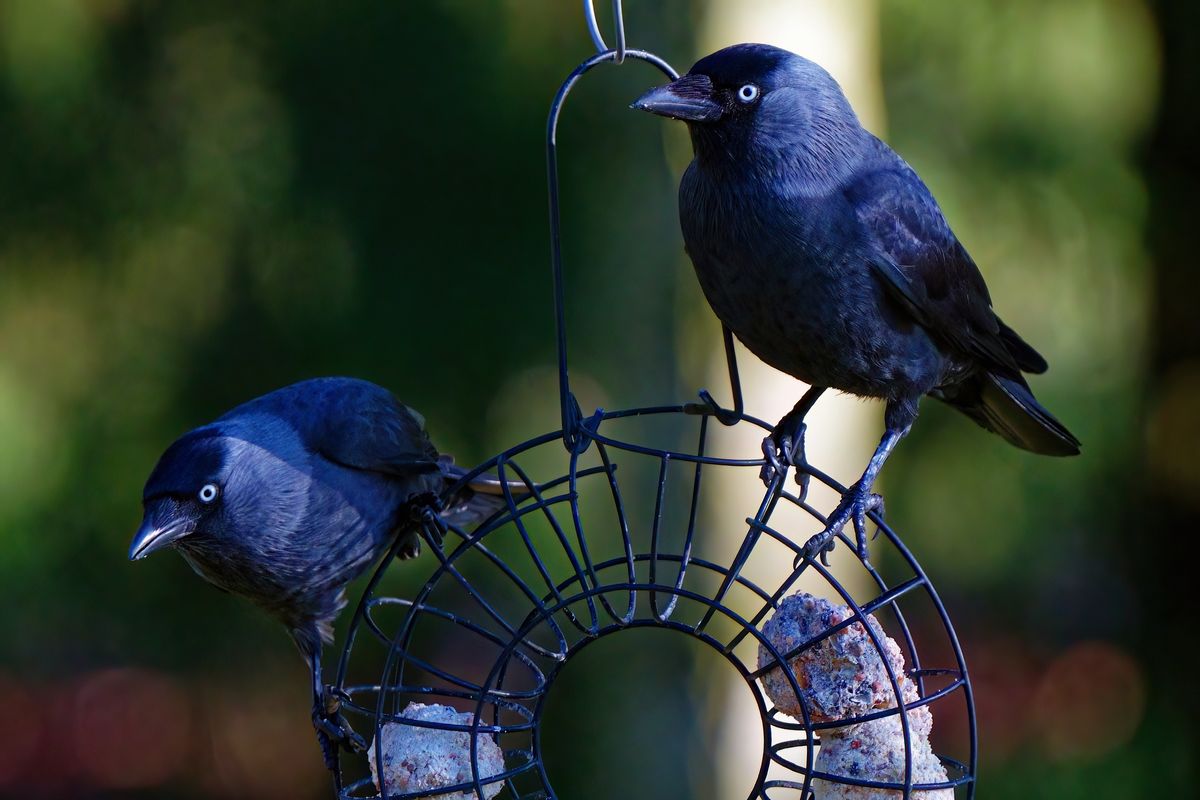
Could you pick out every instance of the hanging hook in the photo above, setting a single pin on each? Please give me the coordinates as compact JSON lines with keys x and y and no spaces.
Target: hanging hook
{"x":589,"y":13}
{"x":619,"y":24}
{"x":573,"y":437}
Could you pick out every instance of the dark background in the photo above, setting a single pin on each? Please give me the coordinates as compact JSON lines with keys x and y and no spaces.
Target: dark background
{"x":201,"y":202}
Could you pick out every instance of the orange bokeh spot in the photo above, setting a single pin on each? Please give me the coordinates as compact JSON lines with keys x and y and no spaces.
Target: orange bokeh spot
{"x":132,"y":728}
{"x":1089,"y":702}
{"x":1003,"y":674}
{"x":19,"y":740}
{"x":263,"y":745}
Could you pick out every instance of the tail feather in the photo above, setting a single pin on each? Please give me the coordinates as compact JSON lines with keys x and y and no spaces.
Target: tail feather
{"x":478,"y":498}
{"x":1007,"y":407}
{"x":1028,"y":359}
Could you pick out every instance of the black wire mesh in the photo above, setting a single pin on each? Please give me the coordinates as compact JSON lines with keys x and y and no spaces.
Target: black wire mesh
{"x":622,"y":529}
{"x":567,"y":561}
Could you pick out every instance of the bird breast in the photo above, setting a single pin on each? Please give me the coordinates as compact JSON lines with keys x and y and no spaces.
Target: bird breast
{"x":789,"y":275}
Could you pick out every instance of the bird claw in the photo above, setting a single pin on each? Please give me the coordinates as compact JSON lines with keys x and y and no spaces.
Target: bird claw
{"x":854,"y":507}
{"x":819,"y":546}
{"x":333,"y":730}
{"x":411,"y":548}
{"x":426,"y":519}
{"x":772,"y":465}
{"x":784,"y":448}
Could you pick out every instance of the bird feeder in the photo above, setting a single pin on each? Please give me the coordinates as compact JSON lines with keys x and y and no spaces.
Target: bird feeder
{"x":845,"y":696}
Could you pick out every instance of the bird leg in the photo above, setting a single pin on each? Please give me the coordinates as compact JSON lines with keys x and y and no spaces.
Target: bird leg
{"x":784,"y":447}
{"x":856,"y":503}
{"x":333,"y":731}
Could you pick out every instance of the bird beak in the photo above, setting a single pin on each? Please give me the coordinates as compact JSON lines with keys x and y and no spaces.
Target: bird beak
{"x":162,"y":526}
{"x":688,"y":99}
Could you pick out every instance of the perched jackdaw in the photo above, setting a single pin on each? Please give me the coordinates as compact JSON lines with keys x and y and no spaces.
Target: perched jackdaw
{"x":288,"y":497}
{"x":826,"y":255}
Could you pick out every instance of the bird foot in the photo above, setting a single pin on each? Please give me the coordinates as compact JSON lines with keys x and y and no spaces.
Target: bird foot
{"x":333,"y":730}
{"x":409,"y":548}
{"x":782,"y":449}
{"x":854,"y":507}
{"x":427,"y":518}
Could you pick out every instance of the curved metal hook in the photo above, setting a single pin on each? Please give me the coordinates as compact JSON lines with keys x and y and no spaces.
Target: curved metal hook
{"x":574,"y":437}
{"x":589,"y":13}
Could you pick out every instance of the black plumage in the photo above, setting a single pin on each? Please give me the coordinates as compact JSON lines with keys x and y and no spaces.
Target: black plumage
{"x":290,"y":496}
{"x":828,"y":257}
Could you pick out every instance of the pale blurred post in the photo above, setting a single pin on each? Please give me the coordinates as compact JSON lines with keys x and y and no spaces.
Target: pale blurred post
{"x":842,"y":36}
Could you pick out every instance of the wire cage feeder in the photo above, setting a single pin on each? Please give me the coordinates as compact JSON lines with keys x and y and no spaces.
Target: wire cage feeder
{"x":610,"y":524}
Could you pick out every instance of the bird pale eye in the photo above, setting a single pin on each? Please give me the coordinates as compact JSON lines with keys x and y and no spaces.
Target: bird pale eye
{"x":748,"y":93}
{"x":209,"y":492}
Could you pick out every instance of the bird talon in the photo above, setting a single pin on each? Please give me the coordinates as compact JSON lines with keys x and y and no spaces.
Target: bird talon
{"x":333,"y":730}
{"x":784,"y":448}
{"x":878,"y":507}
{"x":409,"y":549}
{"x":854,"y":507}
{"x":355,"y":743}
{"x":818,"y":546}
{"x":785,"y":445}
{"x":802,"y":479}
{"x":336,"y":732}
{"x":772,"y":466}
{"x":798,"y":459}
{"x":331,"y":701}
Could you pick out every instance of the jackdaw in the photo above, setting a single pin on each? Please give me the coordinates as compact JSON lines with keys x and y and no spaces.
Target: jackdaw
{"x":287,"y":498}
{"x":827,"y":256}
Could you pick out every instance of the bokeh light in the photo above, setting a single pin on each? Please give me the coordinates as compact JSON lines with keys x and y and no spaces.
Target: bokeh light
{"x":1089,"y":702}
{"x":255,"y":736}
{"x":18,"y":742}
{"x":132,"y":728}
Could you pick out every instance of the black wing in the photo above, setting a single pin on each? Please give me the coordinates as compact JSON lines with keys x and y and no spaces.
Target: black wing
{"x":354,"y":423}
{"x":922,"y":263}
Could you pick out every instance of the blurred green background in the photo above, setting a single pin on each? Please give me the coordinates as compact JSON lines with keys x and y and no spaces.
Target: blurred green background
{"x":200,"y":202}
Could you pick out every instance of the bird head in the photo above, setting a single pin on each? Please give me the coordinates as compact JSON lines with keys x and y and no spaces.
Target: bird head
{"x":238,"y":480}
{"x":755,"y":100}
{"x":184,"y":493}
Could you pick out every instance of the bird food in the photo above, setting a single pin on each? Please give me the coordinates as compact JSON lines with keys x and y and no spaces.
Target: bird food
{"x":844,"y":676}
{"x":874,"y":751}
{"x":423,"y":759}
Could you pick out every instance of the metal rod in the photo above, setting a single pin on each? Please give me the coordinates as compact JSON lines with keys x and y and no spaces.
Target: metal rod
{"x":571,"y":416}
{"x":593,"y":26}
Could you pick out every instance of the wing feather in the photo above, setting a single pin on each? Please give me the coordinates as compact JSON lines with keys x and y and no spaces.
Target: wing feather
{"x":923,"y":265}
{"x":354,"y":423}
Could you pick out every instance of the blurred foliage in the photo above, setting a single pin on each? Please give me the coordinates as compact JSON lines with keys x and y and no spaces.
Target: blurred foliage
{"x":1033,"y":161}
{"x":202,"y":201}
{"x":1030,"y":130}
